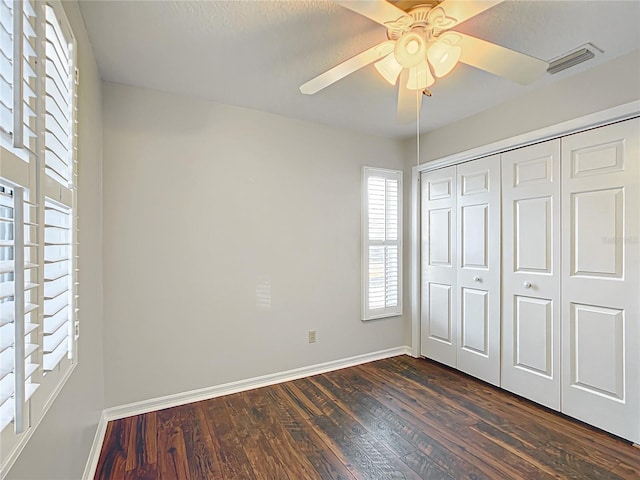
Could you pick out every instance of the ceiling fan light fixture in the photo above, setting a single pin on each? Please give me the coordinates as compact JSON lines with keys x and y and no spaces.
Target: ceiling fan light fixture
{"x":389,"y":68}
{"x":420,"y":47}
{"x":410,"y":50}
{"x":443,"y":58}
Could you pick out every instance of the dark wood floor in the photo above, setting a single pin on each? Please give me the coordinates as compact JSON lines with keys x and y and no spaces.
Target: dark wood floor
{"x":400,"y":418}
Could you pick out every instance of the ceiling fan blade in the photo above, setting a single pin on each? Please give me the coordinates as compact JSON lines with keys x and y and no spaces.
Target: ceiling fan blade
{"x":492,"y":58}
{"x":450,"y":13}
{"x":345,"y":68}
{"x":409,"y":101}
{"x":379,"y":11}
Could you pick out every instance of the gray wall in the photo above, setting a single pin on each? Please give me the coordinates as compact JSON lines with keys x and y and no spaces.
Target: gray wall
{"x":60,"y":445}
{"x":229,"y":233}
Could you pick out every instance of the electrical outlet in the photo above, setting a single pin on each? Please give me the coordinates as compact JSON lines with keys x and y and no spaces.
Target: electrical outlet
{"x":312,"y":336}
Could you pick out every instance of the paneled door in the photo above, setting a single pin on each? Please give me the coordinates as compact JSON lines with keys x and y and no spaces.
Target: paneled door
{"x":438,"y":328}
{"x":478,"y":259}
{"x":600,"y":281}
{"x":531,"y":272}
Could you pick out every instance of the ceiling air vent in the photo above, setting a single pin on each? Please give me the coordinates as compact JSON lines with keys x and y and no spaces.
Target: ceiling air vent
{"x":582,"y":54}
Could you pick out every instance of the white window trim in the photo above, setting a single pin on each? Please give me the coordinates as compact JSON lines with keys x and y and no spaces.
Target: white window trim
{"x":387,"y":174}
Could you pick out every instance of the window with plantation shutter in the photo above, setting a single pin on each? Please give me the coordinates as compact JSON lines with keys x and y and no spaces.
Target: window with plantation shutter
{"x":18,"y":310}
{"x":39,"y":327}
{"x":381,"y":243}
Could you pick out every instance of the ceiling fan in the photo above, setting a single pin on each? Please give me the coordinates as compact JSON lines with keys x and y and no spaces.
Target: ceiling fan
{"x":421,"y":47}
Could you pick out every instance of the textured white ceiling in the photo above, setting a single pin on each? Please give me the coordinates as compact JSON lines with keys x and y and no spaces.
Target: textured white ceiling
{"x":257,"y":53}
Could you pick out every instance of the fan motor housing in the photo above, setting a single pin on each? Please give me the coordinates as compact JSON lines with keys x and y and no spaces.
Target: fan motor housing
{"x":418,"y":12}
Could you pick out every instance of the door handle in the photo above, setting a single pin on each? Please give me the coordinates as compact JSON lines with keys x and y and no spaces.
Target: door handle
{"x":527,"y":284}
{"x":477,"y":279}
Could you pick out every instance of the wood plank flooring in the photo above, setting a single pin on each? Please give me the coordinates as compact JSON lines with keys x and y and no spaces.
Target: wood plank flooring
{"x":399,"y":418}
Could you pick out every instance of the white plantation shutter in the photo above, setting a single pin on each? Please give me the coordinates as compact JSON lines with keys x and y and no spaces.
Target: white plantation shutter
{"x":18,"y":310}
{"x":18,"y":77}
{"x":59,"y":100}
{"x":58,"y":284}
{"x":26,"y":122}
{"x":382,"y":240}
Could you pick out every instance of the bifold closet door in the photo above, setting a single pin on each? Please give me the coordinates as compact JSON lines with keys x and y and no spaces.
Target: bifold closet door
{"x":600,"y":280}
{"x":438,"y":328}
{"x":478,"y":272}
{"x":531,"y":272}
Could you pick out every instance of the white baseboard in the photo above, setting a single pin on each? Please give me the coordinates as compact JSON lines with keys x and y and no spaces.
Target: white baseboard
{"x":146,"y":406}
{"x":96,"y":446}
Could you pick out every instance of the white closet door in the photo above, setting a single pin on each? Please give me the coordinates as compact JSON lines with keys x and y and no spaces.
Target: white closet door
{"x":531,"y":272}
{"x":438,"y":244}
{"x":600,"y":280}
{"x":478,"y":257}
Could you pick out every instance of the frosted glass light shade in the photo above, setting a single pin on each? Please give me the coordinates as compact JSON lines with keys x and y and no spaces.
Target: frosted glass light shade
{"x":410,"y":50}
{"x":389,"y":68}
{"x":443,"y":58}
{"x":420,"y":77}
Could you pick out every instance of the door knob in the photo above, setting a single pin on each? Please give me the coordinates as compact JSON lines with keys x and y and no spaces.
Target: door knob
{"x":527,"y":284}
{"x":476,"y":279}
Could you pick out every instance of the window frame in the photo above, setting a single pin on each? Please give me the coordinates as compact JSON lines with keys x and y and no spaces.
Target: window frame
{"x":387,"y":311}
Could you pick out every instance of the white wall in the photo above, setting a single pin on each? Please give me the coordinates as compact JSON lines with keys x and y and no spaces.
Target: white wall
{"x":614,"y":83}
{"x":61,"y":443}
{"x":207,"y":207}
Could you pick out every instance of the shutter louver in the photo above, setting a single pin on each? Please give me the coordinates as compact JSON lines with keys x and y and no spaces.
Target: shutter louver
{"x":57,"y":283}
{"x":18,"y":312}
{"x":59,"y":104}
{"x":6,"y":67}
{"x":382,"y":243}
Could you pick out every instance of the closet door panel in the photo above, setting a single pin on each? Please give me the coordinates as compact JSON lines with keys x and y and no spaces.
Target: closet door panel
{"x":601,"y":212}
{"x":439,"y":313}
{"x":533,"y":234}
{"x":601,"y":264}
{"x":531,"y":274}
{"x":474,"y":236}
{"x":478,"y":273}
{"x":438,"y":327}
{"x":598,"y":335}
{"x":532,"y":335}
{"x":474,"y":321}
